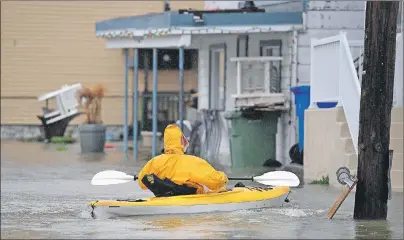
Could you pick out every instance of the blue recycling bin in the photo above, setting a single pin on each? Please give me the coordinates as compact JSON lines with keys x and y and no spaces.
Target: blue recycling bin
{"x":302,"y":102}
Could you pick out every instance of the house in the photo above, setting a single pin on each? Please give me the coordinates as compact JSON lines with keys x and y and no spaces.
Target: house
{"x":250,"y":62}
{"x":224,"y":39}
{"x":330,"y":133}
{"x":48,"y":44}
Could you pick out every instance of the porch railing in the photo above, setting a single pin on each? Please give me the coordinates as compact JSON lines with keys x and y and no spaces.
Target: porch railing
{"x":398,"y":76}
{"x":333,"y":77}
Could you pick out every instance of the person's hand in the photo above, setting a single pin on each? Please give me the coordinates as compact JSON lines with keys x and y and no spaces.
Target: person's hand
{"x":222,"y":189}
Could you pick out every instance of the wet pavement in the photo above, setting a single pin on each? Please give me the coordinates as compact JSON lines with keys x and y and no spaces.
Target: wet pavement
{"x":45,"y":192}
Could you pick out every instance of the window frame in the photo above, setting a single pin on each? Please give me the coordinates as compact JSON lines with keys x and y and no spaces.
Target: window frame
{"x":217,"y":48}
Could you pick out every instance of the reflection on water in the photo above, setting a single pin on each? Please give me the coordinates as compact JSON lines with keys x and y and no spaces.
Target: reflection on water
{"x":44,"y":194}
{"x":379,"y":229}
{"x":92,"y":157}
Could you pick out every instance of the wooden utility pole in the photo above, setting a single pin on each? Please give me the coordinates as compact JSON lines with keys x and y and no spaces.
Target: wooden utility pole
{"x":375,"y":109}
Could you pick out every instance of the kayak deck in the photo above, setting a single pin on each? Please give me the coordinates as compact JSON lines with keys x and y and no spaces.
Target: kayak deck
{"x":234,"y":199}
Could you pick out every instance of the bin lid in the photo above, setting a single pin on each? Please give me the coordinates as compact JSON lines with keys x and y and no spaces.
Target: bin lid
{"x":232,"y":114}
{"x":300,"y":89}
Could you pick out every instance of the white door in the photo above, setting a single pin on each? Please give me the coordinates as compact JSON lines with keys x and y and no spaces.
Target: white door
{"x":217,"y":81}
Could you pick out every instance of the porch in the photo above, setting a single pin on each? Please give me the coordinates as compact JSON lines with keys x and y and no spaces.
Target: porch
{"x":244,"y":57}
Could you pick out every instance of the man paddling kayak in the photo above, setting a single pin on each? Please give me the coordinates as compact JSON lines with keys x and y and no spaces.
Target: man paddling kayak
{"x":176,"y":173}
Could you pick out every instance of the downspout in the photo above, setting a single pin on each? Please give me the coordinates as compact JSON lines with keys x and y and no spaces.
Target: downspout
{"x":304,"y":14}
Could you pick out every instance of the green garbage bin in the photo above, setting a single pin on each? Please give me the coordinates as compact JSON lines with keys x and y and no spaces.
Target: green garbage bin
{"x":252,"y":137}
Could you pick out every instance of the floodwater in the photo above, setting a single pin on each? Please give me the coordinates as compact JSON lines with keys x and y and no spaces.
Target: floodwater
{"x":44,"y":194}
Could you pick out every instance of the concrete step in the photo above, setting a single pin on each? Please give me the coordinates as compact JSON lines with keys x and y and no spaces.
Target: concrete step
{"x":397,"y":180}
{"x":351,"y":161}
{"x":348,"y":145}
{"x":396,"y":144}
{"x":396,"y":115}
{"x":396,"y":130}
{"x":341,"y":115}
{"x":344,"y":130}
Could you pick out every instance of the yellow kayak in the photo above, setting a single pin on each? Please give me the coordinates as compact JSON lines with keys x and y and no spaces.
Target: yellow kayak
{"x":238,"y":198}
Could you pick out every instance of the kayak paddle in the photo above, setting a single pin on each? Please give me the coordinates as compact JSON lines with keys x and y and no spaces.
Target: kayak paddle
{"x":275,"y":178}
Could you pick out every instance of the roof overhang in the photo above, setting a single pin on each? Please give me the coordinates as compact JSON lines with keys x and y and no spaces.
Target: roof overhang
{"x":171,"y":41}
{"x":174,"y":23}
{"x":140,"y":34}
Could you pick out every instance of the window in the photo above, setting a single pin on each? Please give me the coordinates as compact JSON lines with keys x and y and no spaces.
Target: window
{"x":217,"y":77}
{"x":273,"y":48}
{"x":167,"y":59}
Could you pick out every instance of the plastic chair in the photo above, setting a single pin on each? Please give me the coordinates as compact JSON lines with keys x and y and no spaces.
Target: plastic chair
{"x":66,"y":102}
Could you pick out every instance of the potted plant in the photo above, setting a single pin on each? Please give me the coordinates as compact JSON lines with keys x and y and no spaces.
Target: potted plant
{"x":92,"y":131}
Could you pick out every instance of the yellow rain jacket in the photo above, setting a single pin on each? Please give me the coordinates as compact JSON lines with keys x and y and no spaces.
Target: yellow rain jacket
{"x":181,"y":168}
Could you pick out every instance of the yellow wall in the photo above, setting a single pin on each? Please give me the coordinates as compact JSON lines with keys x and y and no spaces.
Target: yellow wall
{"x":50,"y":43}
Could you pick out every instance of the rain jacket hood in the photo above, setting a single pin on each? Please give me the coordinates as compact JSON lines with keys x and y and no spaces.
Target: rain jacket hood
{"x":172,"y":140}
{"x":181,"y":168}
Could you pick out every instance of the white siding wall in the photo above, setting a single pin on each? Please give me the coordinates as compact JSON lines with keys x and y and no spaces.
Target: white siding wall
{"x":203,"y":42}
{"x":324,"y":19}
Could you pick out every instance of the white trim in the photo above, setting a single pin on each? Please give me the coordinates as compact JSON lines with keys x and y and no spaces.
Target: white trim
{"x":255,"y":59}
{"x":159,"y":42}
{"x":252,"y":95}
{"x":356,"y":43}
{"x":238,"y":77}
{"x":131,"y":32}
{"x":327,"y":40}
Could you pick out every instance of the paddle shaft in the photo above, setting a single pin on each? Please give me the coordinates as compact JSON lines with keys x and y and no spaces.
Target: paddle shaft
{"x":247,"y":179}
{"x":230,"y":178}
{"x":275,"y":178}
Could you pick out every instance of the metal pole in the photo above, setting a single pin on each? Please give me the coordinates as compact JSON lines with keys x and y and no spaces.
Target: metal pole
{"x":181,"y":81}
{"x":135,"y":100}
{"x":125,"y":110}
{"x":154,"y":143}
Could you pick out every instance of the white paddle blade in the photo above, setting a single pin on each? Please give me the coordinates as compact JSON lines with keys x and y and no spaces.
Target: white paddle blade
{"x":278,"y":178}
{"x":109,"y":177}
